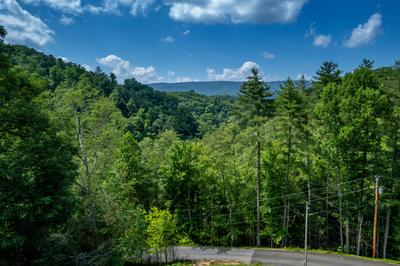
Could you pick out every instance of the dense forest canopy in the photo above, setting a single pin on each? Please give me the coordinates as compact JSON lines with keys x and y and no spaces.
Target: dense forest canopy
{"x":100,"y":173}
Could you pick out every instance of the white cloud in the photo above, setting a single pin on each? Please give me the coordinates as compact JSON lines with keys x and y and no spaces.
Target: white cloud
{"x":124,"y":70}
{"x":66,"y":20}
{"x":68,"y":6}
{"x":233,"y":74}
{"x":267,"y":55}
{"x":319,"y":40}
{"x":236,"y":11}
{"x":114,"y":6}
{"x":322,"y":40}
{"x":171,"y":73}
{"x":183,"y":79}
{"x":65,"y":59}
{"x":306,"y":76}
{"x":186,"y":32}
{"x":23,"y":27}
{"x":365,"y":33}
{"x":168,"y":39}
{"x":106,"y":6}
{"x":87,"y":67}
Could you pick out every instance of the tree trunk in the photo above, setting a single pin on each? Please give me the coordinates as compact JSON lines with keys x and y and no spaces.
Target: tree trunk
{"x":288,"y":169}
{"x":385,"y":238}
{"x":284,"y":220}
{"x":258,"y":189}
{"x":189,"y":212}
{"x":340,"y":208}
{"x":83,"y":156}
{"x":347,"y":245}
{"x":327,"y":213}
{"x":359,"y":233}
{"x":361,"y":203}
{"x":230,"y":224}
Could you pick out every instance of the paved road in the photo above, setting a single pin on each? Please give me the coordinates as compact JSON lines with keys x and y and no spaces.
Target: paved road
{"x":271,"y":257}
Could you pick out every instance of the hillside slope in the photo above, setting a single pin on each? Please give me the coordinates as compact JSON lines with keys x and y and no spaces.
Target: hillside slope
{"x":210,"y":87}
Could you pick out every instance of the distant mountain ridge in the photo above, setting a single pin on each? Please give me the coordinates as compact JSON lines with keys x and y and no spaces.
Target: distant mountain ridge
{"x":210,"y":87}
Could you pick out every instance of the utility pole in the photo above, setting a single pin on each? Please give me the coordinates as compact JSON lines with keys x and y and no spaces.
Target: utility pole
{"x":375,"y":216}
{"x":306,"y":235}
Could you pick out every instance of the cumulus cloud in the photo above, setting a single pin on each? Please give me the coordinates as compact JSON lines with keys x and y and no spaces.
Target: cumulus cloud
{"x":365,"y":33}
{"x":168,"y":39}
{"x":183,"y":79}
{"x":319,"y":40}
{"x":106,"y":6}
{"x":124,"y":70}
{"x":69,"y":6}
{"x":66,"y":20}
{"x":233,"y":74}
{"x":267,"y":55}
{"x":114,"y":6}
{"x":236,"y":11}
{"x":322,"y":40}
{"x":23,"y":27}
{"x":186,"y":32}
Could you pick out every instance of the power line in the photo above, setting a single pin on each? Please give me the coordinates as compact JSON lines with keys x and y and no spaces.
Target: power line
{"x":267,"y":199}
{"x":274,"y":207}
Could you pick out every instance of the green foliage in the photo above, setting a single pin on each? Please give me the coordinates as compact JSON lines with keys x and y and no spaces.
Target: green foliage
{"x":161,"y":231}
{"x":37,"y":170}
{"x":254,"y":100}
{"x":100,"y":173}
{"x":130,"y":234}
{"x":328,"y":73}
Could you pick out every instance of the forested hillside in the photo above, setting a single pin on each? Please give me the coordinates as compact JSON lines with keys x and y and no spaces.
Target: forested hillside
{"x":210,"y":87}
{"x":149,"y":111}
{"x":99,"y":173}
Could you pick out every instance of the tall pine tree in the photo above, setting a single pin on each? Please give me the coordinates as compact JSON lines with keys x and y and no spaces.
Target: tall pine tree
{"x":253,"y":106}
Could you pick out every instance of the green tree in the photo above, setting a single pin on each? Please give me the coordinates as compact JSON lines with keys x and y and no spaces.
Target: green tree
{"x":254,"y":104}
{"x":352,"y":113}
{"x":290,"y":117}
{"x":161,"y":233}
{"x":182,"y":180}
{"x":327,"y":73}
{"x":131,"y":179}
{"x":367,"y":63}
{"x":37,"y":171}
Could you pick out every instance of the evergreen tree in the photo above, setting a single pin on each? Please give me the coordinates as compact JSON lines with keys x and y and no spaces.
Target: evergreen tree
{"x":254,"y":104}
{"x":367,"y":63}
{"x":290,"y":113}
{"x":327,"y":73}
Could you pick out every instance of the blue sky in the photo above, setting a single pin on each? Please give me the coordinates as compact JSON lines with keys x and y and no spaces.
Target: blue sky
{"x":176,"y":40}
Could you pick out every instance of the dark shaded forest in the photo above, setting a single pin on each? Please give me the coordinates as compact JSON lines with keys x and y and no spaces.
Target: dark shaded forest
{"x":100,"y":173}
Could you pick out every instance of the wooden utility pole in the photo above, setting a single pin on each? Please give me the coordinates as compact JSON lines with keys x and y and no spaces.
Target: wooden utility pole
{"x":375,"y":216}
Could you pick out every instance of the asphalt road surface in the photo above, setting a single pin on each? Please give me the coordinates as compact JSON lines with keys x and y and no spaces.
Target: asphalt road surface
{"x":271,"y":257}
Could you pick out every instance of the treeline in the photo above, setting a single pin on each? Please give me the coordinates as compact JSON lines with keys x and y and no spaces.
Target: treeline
{"x":150,"y":112}
{"x":100,"y":173}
